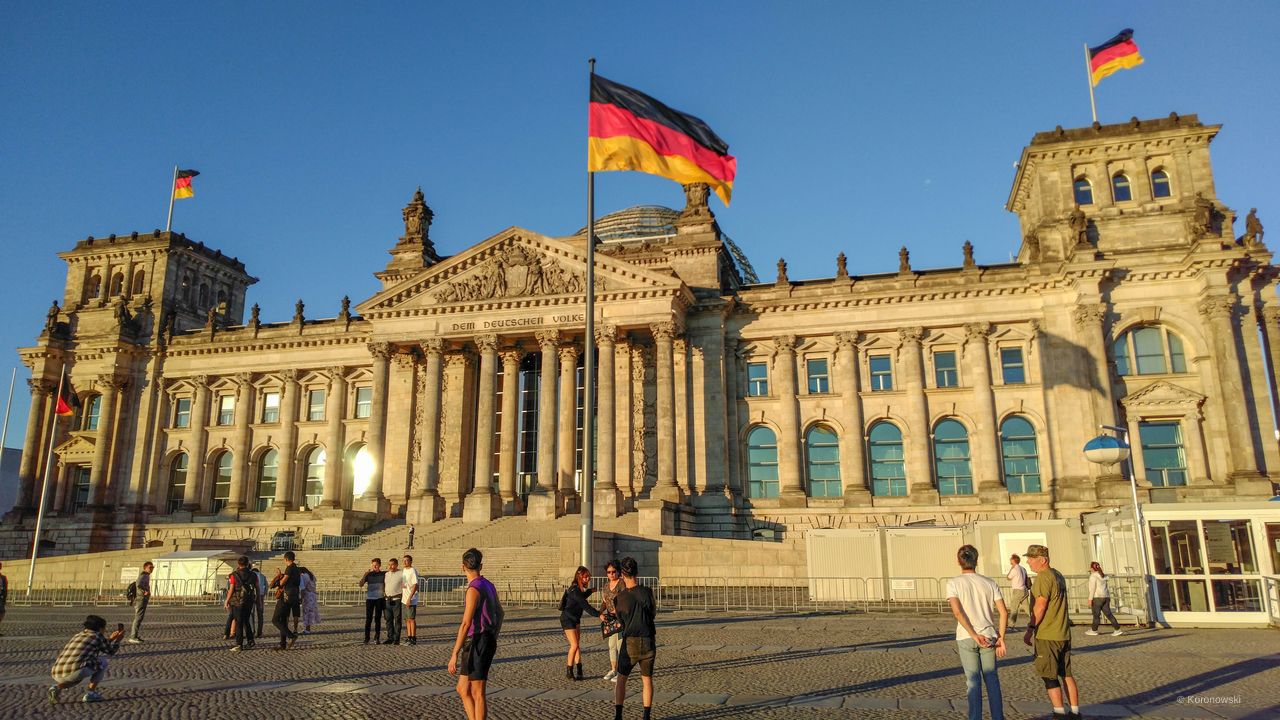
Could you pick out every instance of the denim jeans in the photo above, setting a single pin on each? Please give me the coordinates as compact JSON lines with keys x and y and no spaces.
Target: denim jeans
{"x":979,"y":665}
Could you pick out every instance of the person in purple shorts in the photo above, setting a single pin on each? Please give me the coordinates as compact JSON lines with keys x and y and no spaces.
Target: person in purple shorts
{"x":477,"y":637}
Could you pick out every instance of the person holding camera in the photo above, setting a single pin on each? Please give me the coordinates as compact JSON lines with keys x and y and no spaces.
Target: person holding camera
{"x":82,"y":657}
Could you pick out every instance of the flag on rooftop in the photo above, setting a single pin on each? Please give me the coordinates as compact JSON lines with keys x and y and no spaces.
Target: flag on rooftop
{"x":1118,"y":53}
{"x":182,"y":184}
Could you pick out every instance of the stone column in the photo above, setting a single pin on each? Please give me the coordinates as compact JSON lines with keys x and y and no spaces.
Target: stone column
{"x":508,"y":493}
{"x":790,"y":464}
{"x":241,"y":448}
{"x":98,"y":472}
{"x":542,"y":503}
{"x":482,"y":505}
{"x":1270,"y":315}
{"x":986,"y":463}
{"x":191,"y":500}
{"x":28,"y":482}
{"x":286,"y":474}
{"x":733,"y":394}
{"x":1219,"y":314}
{"x":429,"y":503}
{"x":853,"y":462}
{"x":1090,"y":323}
{"x":373,"y":500}
{"x":335,"y":461}
{"x":920,"y":436}
{"x":686,"y":478}
{"x":567,"y":442}
{"x":665,"y":488}
{"x":608,"y":498}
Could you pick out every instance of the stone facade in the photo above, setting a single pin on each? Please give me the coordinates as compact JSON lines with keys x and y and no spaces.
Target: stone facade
{"x":727,"y":407}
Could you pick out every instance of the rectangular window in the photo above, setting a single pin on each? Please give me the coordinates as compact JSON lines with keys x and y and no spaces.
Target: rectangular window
{"x":315,"y":405}
{"x":1011,"y":368}
{"x":757,"y":379}
{"x":271,"y":407}
{"x":226,"y":409}
{"x":819,"y":382}
{"x":881,"y":372}
{"x":182,"y":412}
{"x":944,"y":369}
{"x":1162,"y":453}
{"x":364,"y":402}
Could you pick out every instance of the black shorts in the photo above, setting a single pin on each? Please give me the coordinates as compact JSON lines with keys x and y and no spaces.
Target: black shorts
{"x":569,"y":623}
{"x":477,"y":656}
{"x":636,"y":652}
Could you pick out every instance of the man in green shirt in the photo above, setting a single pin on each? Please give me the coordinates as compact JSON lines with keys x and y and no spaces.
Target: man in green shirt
{"x":1050,"y":632}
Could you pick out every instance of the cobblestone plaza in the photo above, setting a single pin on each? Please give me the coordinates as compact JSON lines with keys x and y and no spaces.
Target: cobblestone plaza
{"x":709,"y":667}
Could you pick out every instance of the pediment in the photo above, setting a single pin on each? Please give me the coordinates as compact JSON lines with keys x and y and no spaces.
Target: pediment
{"x":78,"y":447}
{"x":1163,"y":394}
{"x":517,"y":267}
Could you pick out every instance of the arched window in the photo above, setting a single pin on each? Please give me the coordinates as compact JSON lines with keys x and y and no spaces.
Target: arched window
{"x":117,"y":284}
{"x":1083,"y":192}
{"x":186,"y":288}
{"x":1149,"y":351}
{"x":822,"y":455}
{"x":1018,"y":451}
{"x":358,"y":466}
{"x":92,"y":411}
{"x":1120,"y":190}
{"x":268,"y":469}
{"x":177,"y":483}
{"x":139,"y":282}
{"x":951,"y":459}
{"x":222,"y":481}
{"x":762,"y":463}
{"x":315,"y":477}
{"x":888,"y":473}
{"x":93,"y":287}
{"x":203,"y":297}
{"x":1160,"y":184}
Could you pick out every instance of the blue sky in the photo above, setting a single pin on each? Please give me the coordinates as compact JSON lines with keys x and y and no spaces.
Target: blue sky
{"x":858,"y":127}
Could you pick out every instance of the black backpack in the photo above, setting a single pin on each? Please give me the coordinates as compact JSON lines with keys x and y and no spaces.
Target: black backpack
{"x":246,"y":590}
{"x":131,"y":592}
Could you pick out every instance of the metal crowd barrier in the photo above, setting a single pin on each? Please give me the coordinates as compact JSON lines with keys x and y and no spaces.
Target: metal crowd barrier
{"x":338,"y":542}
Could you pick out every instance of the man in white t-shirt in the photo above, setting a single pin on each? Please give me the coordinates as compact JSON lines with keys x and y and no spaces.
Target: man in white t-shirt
{"x":979,"y":637}
{"x":1018,"y":593}
{"x":393,"y":589}
{"x":410,"y":596}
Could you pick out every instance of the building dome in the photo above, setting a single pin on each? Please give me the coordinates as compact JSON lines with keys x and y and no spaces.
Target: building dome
{"x":635,"y":223}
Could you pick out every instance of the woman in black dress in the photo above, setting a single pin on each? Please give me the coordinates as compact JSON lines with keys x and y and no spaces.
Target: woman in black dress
{"x":572,"y":604}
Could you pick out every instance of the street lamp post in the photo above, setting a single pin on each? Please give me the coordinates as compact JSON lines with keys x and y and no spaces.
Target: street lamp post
{"x":1108,"y":450}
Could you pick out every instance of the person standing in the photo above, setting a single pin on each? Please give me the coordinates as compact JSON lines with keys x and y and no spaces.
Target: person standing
{"x":1100,"y":600}
{"x":608,"y":595}
{"x":4,"y":594}
{"x":636,"y":609}
{"x":141,"y":602}
{"x":410,"y":600}
{"x":242,"y":591}
{"x":393,"y":590}
{"x":572,"y":604}
{"x":1018,"y":589}
{"x":260,"y":603}
{"x":287,"y":583}
{"x":374,"y":600}
{"x":1050,"y":633}
{"x":477,"y":640}
{"x":410,"y":545}
{"x":310,"y":601}
{"x":979,"y":636}
{"x":82,"y":658}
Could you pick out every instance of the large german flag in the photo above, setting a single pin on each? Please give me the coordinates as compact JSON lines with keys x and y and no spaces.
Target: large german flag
{"x":182,"y":187}
{"x":1118,"y":53}
{"x":628,"y":130}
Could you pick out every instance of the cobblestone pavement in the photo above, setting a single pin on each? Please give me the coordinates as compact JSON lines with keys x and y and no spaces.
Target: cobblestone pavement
{"x":709,"y":667}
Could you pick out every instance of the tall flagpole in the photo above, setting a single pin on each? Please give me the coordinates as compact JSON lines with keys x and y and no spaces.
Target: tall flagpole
{"x":589,"y":368}
{"x":1088,"y":73}
{"x":4,"y":431}
{"x":44,"y":485}
{"x":168,"y":224}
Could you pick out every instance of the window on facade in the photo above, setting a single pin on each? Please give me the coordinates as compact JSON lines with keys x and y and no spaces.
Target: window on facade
{"x":271,"y":407}
{"x":1149,"y":351}
{"x":1120,"y":190}
{"x":93,"y":287}
{"x":315,"y":477}
{"x":80,"y":490}
{"x":1083,"y":192}
{"x":527,"y":421}
{"x":139,"y":282}
{"x":762,"y":463}
{"x":1205,"y":565}
{"x":117,"y":284}
{"x":203,"y":296}
{"x":757,"y":379}
{"x":1012,"y":370}
{"x":951,"y":459}
{"x":92,"y":412}
{"x":182,"y":412}
{"x":364,"y":402}
{"x":1160,"y":184}
{"x":358,"y":469}
{"x":226,"y":409}
{"x":1018,"y":451}
{"x":888,"y":471}
{"x":881,"y":372}
{"x":822,"y":456}
{"x":1163,"y":456}
{"x":222,"y":481}
{"x":315,"y":405}
{"x":944,"y":369}
{"x":268,"y":472}
{"x":819,"y":380}
{"x":177,"y":483}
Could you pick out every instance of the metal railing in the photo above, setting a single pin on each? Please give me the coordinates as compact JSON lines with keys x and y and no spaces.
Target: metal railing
{"x":338,"y":542}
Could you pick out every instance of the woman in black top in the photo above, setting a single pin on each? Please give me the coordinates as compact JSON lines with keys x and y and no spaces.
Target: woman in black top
{"x":572,"y":604}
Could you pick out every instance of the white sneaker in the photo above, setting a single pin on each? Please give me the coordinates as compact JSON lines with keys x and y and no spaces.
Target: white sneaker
{"x":614,"y":679}
{"x":235,"y":648}
{"x":1117,"y":633}
{"x":611,"y":675}
{"x":134,"y":641}
{"x":1090,"y":632}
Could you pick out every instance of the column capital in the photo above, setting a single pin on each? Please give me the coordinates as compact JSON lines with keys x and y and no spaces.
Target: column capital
{"x":289,"y":375}
{"x":680,"y":345}
{"x":847,"y":340}
{"x":244,"y":378}
{"x":568,"y":353}
{"x":664,"y":331}
{"x":200,"y":381}
{"x":1035,"y":327}
{"x":547,"y":339}
{"x":978,"y":331}
{"x":1218,"y":307}
{"x":433,"y":346}
{"x":911,"y":336}
{"x":511,"y":356}
{"x":39,"y":387}
{"x":1089,"y":314}
{"x":403,"y":360}
{"x":380,"y":350}
{"x":115,"y":383}
{"x":487,"y":344}
{"x":1270,"y":314}
{"x":784,"y":343}
{"x":606,"y":334}
{"x":336,"y":373}
{"x":456,"y":360}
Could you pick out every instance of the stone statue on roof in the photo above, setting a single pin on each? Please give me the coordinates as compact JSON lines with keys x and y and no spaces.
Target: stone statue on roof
{"x":1252,"y":229}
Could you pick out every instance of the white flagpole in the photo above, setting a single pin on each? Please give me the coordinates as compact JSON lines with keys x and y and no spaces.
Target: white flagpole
{"x":589,"y":373}
{"x":4,"y":431}
{"x":168,"y":224}
{"x":1088,"y":73}
{"x":44,"y":486}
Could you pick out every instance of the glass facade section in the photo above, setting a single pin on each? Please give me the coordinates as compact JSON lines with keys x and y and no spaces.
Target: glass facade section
{"x":762,"y":463}
{"x":888,"y":469}
{"x":1162,"y":453}
{"x":1019,"y":454}
{"x":222,"y":482}
{"x":314,"y":477}
{"x":268,"y":472}
{"x":951,"y":466}
{"x":177,"y":483}
{"x":822,"y":455}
